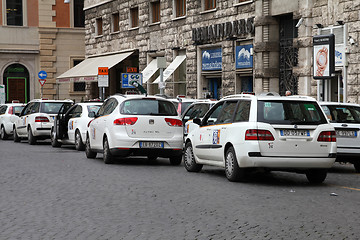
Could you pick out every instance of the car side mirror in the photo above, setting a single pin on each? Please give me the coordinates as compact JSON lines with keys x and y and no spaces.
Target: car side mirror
{"x":92,"y":114}
{"x":197,"y":121}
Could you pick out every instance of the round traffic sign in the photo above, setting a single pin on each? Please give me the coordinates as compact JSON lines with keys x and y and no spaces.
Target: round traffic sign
{"x":42,"y":74}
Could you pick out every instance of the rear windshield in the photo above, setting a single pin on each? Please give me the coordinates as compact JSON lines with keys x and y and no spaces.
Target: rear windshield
{"x":93,"y":108}
{"x":148,"y":107}
{"x":342,"y":114}
{"x":290,"y":112}
{"x":17,"y":109}
{"x":52,"y":107}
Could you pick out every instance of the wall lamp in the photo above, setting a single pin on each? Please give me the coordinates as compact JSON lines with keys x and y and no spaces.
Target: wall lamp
{"x":340,"y":22}
{"x":319,"y":25}
{"x":66,"y":1}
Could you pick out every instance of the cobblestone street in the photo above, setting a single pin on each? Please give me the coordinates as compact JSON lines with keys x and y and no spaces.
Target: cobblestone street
{"x":49,"y":193}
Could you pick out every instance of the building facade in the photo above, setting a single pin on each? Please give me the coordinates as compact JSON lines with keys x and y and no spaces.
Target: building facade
{"x":214,"y":48}
{"x":46,"y":35}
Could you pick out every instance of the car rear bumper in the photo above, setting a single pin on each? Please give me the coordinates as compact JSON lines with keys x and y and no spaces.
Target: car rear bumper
{"x":146,"y":152}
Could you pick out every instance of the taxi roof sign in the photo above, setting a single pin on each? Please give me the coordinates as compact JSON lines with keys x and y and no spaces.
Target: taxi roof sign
{"x":103,"y":71}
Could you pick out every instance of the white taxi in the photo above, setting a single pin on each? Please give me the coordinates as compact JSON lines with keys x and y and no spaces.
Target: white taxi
{"x":8,"y":114}
{"x":345,"y":117}
{"x":36,"y":119}
{"x":245,"y":132}
{"x":71,"y":127}
{"x":136,"y":125}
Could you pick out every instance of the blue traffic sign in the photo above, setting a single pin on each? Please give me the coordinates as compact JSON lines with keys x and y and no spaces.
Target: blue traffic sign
{"x":42,"y":74}
{"x":128,"y":78}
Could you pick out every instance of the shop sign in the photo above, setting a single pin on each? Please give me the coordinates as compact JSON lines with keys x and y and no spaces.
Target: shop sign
{"x":324,"y":56}
{"x":244,"y":56}
{"x":211,"y":59}
{"x":339,"y":55}
{"x":223,"y":30}
{"x":127,"y":79}
{"x":131,"y":70}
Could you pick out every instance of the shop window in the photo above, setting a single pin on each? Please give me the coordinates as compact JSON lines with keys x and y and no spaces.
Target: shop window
{"x":180,"y":8}
{"x":79,"y":15}
{"x":155,"y":12}
{"x":134,"y":17}
{"x":115,"y":22}
{"x":14,"y":12}
{"x":209,"y":4}
{"x":99,"y":29}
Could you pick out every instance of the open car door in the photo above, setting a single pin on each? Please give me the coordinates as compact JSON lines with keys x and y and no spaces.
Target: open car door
{"x":61,"y":120}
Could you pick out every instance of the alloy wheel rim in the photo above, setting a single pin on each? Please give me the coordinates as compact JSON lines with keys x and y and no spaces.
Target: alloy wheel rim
{"x":188,"y":156}
{"x":77,"y":139}
{"x":229,"y":163}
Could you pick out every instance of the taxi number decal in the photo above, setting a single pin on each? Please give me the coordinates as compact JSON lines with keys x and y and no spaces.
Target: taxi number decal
{"x":216,"y":136}
{"x":93,"y":133}
{"x":71,"y":125}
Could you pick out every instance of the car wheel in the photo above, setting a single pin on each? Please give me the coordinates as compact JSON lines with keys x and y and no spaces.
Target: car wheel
{"x":3,"y":134}
{"x":357,"y":167}
{"x":175,"y":160}
{"x":79,"y":145}
{"x":15,"y":135}
{"x":89,"y":153}
{"x":232,"y":170}
{"x":107,"y":157}
{"x":316,"y":176}
{"x":31,"y":137}
{"x":189,"y":159}
{"x":54,"y":142}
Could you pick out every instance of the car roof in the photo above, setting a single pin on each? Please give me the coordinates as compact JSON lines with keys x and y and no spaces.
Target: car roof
{"x":90,"y":103}
{"x":136,"y":96}
{"x":13,"y":104}
{"x":47,"y":100}
{"x":339,"y":104}
{"x":269,"y":97}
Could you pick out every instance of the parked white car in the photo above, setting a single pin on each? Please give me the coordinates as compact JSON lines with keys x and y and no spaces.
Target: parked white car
{"x":36,"y":119}
{"x":8,"y":114}
{"x":71,"y":127}
{"x":136,"y":125}
{"x":345,"y":117}
{"x":244,"y":132}
{"x":181,"y":103}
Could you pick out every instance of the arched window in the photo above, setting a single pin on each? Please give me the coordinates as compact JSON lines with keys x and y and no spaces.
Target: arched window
{"x":14,"y":12}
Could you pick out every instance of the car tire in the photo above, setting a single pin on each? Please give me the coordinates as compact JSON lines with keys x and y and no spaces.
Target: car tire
{"x":16,"y":136}
{"x":54,"y":142}
{"x":357,"y":167}
{"x":89,"y":153}
{"x":232,"y":170}
{"x":31,"y":137}
{"x":107,"y":157}
{"x":175,"y":160}
{"x":316,"y":176}
{"x":79,"y":145}
{"x":3,"y":134}
{"x":189,"y":159}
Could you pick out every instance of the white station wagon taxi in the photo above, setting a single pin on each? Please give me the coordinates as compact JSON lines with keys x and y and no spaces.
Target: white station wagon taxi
{"x":8,"y":114}
{"x":244,"y":132}
{"x":136,"y":125}
{"x":71,"y":127}
{"x":36,"y":119}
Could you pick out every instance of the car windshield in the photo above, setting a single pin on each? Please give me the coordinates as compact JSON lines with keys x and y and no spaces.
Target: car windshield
{"x":17,"y":109}
{"x":52,"y":107}
{"x":93,"y":108}
{"x":342,"y":114}
{"x":148,"y":107}
{"x":290,"y":112}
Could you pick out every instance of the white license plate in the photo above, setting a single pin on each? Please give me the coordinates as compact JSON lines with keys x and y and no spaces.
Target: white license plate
{"x":344,"y":133}
{"x":291,"y":132}
{"x":151,"y":144}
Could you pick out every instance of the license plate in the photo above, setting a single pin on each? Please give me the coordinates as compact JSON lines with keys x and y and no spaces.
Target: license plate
{"x":151,"y":144}
{"x":291,"y":132}
{"x":344,"y":133}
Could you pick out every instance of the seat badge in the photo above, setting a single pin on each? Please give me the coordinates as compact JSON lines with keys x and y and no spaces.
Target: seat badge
{"x":151,"y":121}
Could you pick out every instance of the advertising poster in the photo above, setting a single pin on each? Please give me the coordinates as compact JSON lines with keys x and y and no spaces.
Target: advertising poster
{"x":244,"y":58}
{"x":211,"y":59}
{"x":323,"y":56}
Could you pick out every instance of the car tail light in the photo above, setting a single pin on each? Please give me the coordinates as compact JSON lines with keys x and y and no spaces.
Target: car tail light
{"x":11,"y":110}
{"x":125,"y":121}
{"x":259,"y":135}
{"x":327,"y":136}
{"x":90,"y":122}
{"x":173,"y":122}
{"x":41,"y":119}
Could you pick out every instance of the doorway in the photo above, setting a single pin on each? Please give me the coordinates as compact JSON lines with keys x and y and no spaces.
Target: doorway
{"x":16,"y":81}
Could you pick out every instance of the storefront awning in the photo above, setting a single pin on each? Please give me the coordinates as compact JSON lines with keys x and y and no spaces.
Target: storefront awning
{"x":172,"y":67}
{"x":150,"y":69}
{"x":87,"y":70}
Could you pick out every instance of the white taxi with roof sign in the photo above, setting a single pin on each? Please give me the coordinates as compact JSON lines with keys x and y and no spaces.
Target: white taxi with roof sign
{"x":136,"y":125}
{"x":37,"y":118}
{"x":245,"y":132}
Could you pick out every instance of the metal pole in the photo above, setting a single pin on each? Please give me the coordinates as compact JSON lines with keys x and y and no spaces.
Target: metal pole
{"x":161,"y":81}
{"x":100,"y":93}
{"x":42,"y":91}
{"x":103,"y":95}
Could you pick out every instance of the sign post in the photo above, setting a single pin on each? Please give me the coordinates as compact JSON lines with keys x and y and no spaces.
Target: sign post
{"x":42,"y":79}
{"x":161,"y":64}
{"x":103,"y":81}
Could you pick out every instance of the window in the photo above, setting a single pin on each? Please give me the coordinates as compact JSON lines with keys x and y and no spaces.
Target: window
{"x":212,"y":116}
{"x":78,"y":86}
{"x":227,"y":112}
{"x":148,"y":107}
{"x":155,"y":12}
{"x":115,"y":22}
{"x":243,"y":112}
{"x":93,"y":108}
{"x":79,"y":15}
{"x":108,"y":107}
{"x":134,"y":17}
{"x":3,"y":109}
{"x":196,"y":111}
{"x":180,"y":8}
{"x":99,"y":30}
{"x":209,"y":4}
{"x":14,"y":12}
